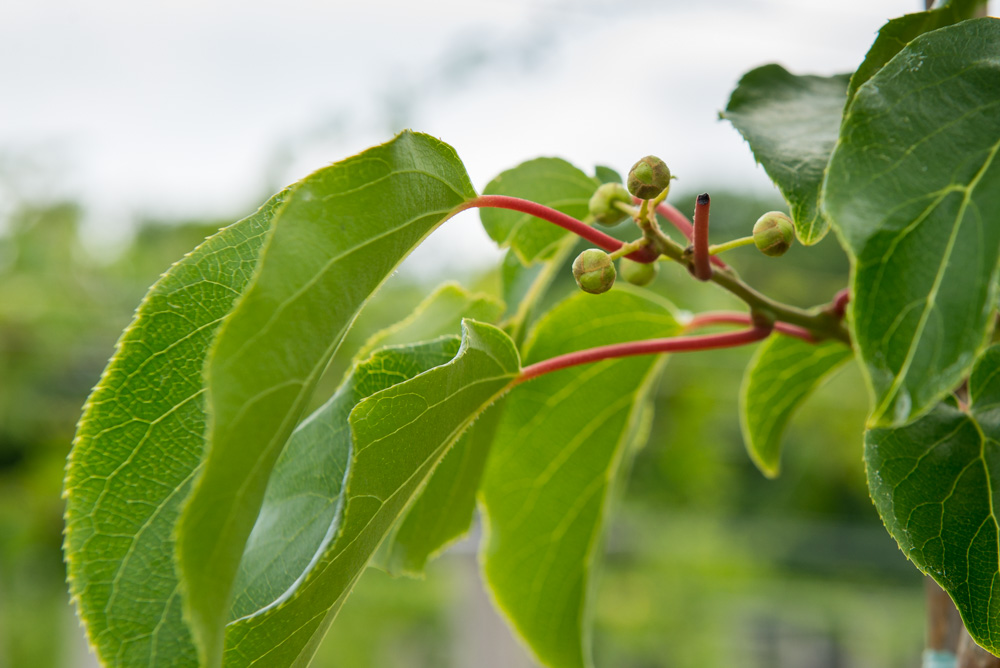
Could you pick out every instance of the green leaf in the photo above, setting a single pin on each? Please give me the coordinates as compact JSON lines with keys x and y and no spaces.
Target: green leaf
{"x":560,"y":444}
{"x":137,"y":449}
{"x":439,"y":314}
{"x":898,"y":32}
{"x":443,"y":512}
{"x":142,"y":439}
{"x":549,"y":181}
{"x":914,"y":190}
{"x":341,"y":233}
{"x":399,"y":435}
{"x":605,"y":174}
{"x":524,"y":287}
{"x":783,"y":373}
{"x":791,"y":123}
{"x":935,"y":484}
{"x":303,"y":505}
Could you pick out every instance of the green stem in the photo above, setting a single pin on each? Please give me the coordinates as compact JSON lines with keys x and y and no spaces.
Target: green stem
{"x":629,"y":248}
{"x":823,"y":323}
{"x":656,"y":201}
{"x":626,"y":208}
{"x":729,"y":245}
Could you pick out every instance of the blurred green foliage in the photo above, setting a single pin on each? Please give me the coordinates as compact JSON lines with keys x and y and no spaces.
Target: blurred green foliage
{"x":710,"y":564}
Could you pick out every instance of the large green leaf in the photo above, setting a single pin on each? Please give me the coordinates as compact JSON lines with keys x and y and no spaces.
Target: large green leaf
{"x":444,"y":510}
{"x":914,"y":189}
{"x":303,"y":506}
{"x":899,"y":32}
{"x":341,"y":233}
{"x":138,"y":447}
{"x":297,"y":272}
{"x":936,"y":484}
{"x":782,"y":374}
{"x":549,"y":181}
{"x":439,"y":314}
{"x":524,"y":287}
{"x":791,"y":123}
{"x":398,"y":434}
{"x":561,"y":441}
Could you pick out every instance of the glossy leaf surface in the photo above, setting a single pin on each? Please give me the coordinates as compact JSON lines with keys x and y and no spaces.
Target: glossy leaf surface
{"x":549,"y":181}
{"x":791,"y":123}
{"x":936,"y":484}
{"x":444,"y":510}
{"x":304,"y":502}
{"x":898,"y":32}
{"x":398,"y":435}
{"x":914,"y":189}
{"x":783,"y":373}
{"x":558,"y":450}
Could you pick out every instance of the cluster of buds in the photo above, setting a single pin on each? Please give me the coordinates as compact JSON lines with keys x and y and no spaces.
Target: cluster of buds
{"x":649,"y":179}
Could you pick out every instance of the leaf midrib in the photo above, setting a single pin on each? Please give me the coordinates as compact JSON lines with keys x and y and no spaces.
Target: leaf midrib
{"x":932,"y":295}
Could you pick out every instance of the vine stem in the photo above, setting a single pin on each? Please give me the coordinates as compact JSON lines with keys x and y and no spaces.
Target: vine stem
{"x":607,"y":242}
{"x":822,"y":325}
{"x":735,"y":318}
{"x":649,"y":347}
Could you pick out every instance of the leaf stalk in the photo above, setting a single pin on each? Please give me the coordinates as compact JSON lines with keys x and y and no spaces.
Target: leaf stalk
{"x":647,"y":347}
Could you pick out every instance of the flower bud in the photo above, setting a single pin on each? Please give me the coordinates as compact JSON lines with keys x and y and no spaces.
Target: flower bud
{"x":773,"y":233}
{"x":594,"y":271}
{"x":648,"y":178}
{"x":602,"y":204}
{"x":638,"y":273}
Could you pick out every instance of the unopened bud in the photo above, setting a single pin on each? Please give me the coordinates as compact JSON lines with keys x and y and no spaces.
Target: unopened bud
{"x":648,"y":178}
{"x":638,"y":273}
{"x":594,"y":271}
{"x":602,"y":204}
{"x":773,"y":233}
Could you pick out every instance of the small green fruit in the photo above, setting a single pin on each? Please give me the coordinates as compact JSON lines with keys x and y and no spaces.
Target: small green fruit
{"x":602,"y":203}
{"x":773,"y":233}
{"x":594,"y":271}
{"x":638,"y":273}
{"x":648,"y":178}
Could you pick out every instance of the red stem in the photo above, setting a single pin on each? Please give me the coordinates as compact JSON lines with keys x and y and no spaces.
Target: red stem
{"x":650,"y":347}
{"x":736,"y":318}
{"x":702,"y":266}
{"x":840,"y":300}
{"x":608,"y":243}
{"x":683,"y":225}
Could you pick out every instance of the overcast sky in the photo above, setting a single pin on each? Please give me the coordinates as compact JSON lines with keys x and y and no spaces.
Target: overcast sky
{"x":202,"y":107}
